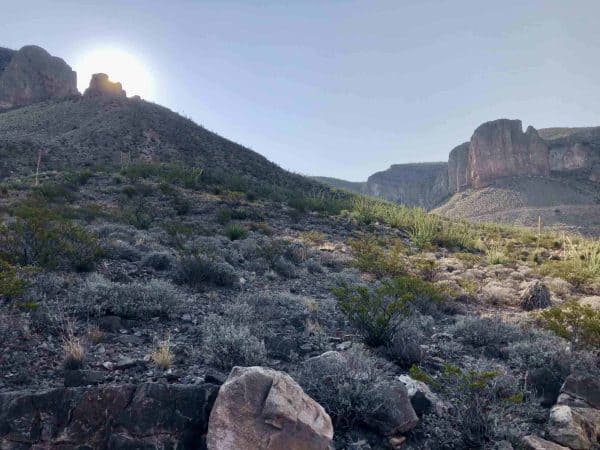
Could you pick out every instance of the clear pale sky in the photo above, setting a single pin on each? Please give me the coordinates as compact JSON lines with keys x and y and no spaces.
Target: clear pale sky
{"x":341,"y":88}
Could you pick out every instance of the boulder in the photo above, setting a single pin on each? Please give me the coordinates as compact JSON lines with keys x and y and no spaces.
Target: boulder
{"x":421,"y":397}
{"x":76,"y":378}
{"x":261,"y":408}
{"x":535,"y":296}
{"x":533,"y":442}
{"x":396,"y":415}
{"x":101,"y":86}
{"x":33,"y":75}
{"x":116,"y":417}
{"x":500,"y":149}
{"x":583,"y":387}
{"x":546,"y":384}
{"x":576,"y":428}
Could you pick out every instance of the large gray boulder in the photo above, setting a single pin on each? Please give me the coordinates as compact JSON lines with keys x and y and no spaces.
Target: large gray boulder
{"x":576,"y":428}
{"x":147,"y":416}
{"x":33,"y":75}
{"x":259,"y":408}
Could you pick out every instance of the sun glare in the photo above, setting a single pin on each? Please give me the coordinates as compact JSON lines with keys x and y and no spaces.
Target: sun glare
{"x":120,"y":66}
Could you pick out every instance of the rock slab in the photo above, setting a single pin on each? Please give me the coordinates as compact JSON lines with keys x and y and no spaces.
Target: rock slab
{"x":145,"y":416}
{"x":259,"y":408}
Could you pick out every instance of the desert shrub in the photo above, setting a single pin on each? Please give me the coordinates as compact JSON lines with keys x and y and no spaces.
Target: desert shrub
{"x":424,"y":229}
{"x":235,"y":232}
{"x":187,"y":177}
{"x":580,"y":265}
{"x":158,"y":261}
{"x":313,"y":266}
{"x":458,"y":235}
{"x":328,"y":202}
{"x":373,"y":311}
{"x":347,"y":385}
{"x":408,"y":334}
{"x":199,"y":270}
{"x":426,"y":268}
{"x":42,"y":237}
{"x":487,"y":331}
{"x":118,"y":249}
{"x":469,"y":260}
{"x":372,"y":257}
{"x":53,"y":192}
{"x":98,"y":296}
{"x":226,"y":344}
{"x":479,"y":400}
{"x":496,"y":255}
{"x":181,"y":204}
{"x":284,"y":267}
{"x":12,"y":281}
{"x":76,"y":178}
{"x":578,"y":323}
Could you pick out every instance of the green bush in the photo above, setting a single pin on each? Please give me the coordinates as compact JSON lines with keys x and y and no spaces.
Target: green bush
{"x":235,"y":232}
{"x":187,"y":177}
{"x":373,"y":311}
{"x":578,"y":323}
{"x":372,"y":257}
{"x":41,"y":237}
{"x":424,"y":229}
{"x":11,"y":282}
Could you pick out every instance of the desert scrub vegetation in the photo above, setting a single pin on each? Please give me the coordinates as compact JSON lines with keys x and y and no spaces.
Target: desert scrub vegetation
{"x":13,"y":281}
{"x":350,"y":386}
{"x":227,"y":342}
{"x":97,"y":296}
{"x":235,"y":232}
{"x":201,"y":270}
{"x":42,"y":237}
{"x":373,"y":311}
{"x":481,"y":398}
{"x":186,"y":177}
{"x":580,"y":264}
{"x":576,"y":322}
{"x":496,"y":254}
{"x":162,"y":355}
{"x":371,"y":256}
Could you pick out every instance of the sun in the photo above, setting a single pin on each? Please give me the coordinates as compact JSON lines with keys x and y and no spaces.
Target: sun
{"x":120,"y":65}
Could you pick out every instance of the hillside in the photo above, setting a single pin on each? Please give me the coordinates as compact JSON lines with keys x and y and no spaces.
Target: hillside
{"x":162,"y":287}
{"x":106,"y":132}
{"x":568,"y":204}
{"x":352,"y":186}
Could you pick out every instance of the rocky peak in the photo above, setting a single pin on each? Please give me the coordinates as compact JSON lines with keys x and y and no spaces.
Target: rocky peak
{"x":33,"y":75}
{"x":100,"y":85}
{"x":500,"y":149}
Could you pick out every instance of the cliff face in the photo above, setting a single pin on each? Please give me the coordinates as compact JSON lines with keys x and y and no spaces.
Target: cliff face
{"x":500,"y":149}
{"x":574,"y":151}
{"x":5,"y":56}
{"x":100,"y":85}
{"x":421,"y":184}
{"x":33,"y":75}
{"x":458,"y":168}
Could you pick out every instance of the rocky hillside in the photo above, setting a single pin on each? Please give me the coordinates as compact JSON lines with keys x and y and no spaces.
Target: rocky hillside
{"x":162,"y":287}
{"x":352,"y":186}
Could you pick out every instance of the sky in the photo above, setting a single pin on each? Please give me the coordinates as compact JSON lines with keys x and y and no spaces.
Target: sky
{"x":338,"y":88}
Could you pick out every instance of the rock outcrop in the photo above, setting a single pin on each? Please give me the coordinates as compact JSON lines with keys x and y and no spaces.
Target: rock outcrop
{"x":33,"y":75}
{"x":263,"y":409}
{"x":116,"y":417}
{"x":419,"y":184}
{"x":100,"y":85}
{"x":458,"y":168}
{"x":500,"y":149}
{"x":6,"y":55}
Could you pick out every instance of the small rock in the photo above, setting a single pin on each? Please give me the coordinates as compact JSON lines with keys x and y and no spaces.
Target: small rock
{"x":397,"y":441}
{"x":126,"y":363}
{"x":76,"y":378}
{"x":108,"y":365}
{"x":343,"y":346}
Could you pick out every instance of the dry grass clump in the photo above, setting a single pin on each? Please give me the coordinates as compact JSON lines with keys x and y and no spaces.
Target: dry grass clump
{"x":74,"y":352}
{"x":162,"y":356}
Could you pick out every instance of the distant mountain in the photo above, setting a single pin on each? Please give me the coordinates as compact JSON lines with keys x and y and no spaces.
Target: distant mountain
{"x":507,"y":175}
